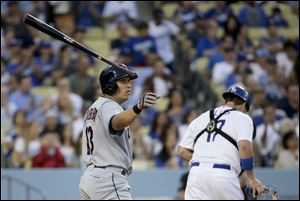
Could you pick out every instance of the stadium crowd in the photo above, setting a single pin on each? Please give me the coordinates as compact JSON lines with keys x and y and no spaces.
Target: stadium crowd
{"x":188,"y":57}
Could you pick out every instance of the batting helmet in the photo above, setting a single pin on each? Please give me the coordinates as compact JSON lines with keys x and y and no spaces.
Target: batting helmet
{"x":238,"y":92}
{"x":109,"y":77}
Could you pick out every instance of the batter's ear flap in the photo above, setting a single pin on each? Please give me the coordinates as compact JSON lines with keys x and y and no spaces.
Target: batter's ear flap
{"x":112,"y":88}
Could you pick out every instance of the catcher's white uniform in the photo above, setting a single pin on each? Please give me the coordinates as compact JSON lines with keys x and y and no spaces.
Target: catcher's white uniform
{"x":215,"y":163}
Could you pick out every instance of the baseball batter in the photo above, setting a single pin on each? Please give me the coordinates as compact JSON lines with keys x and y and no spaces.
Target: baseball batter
{"x":217,"y":144}
{"x":106,"y":143}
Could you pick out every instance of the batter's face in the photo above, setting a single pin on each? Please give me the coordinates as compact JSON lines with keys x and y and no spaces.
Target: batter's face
{"x":124,"y":89}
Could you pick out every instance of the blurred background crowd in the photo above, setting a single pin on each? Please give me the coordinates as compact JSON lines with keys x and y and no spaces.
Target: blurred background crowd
{"x":188,"y":52}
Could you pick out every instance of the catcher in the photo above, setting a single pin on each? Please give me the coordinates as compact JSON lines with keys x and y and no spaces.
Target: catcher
{"x":216,"y":143}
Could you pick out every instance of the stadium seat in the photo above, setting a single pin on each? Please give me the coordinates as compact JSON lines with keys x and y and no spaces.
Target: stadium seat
{"x":99,"y":46}
{"x":201,"y":64}
{"x":3,"y":132}
{"x":169,"y":9}
{"x":94,"y":33}
{"x":257,"y":33}
{"x":162,"y":104}
{"x":205,"y":6}
{"x":290,"y":33}
{"x":236,"y":7}
{"x":44,"y":91}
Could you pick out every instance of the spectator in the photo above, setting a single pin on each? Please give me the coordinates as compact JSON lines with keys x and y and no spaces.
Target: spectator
{"x":120,"y":11}
{"x":7,"y":36}
{"x":52,"y":125}
{"x":290,"y":103}
{"x":220,"y":13}
{"x":4,"y":75}
{"x":160,"y":82}
{"x":24,"y":98}
{"x":14,"y":17}
{"x":64,"y":66}
{"x":40,"y":112}
{"x":123,"y":37}
{"x":219,"y":56}
{"x":153,"y":142}
{"x":79,"y":34}
{"x":287,"y":58}
{"x":27,"y":146}
{"x":64,"y":19}
{"x":90,"y":13}
{"x":19,"y":129}
{"x":68,"y":147}
{"x":232,"y":26}
{"x":184,"y":15}
{"x":66,"y":113}
{"x":258,"y":66}
{"x":240,"y":71}
{"x":275,"y":88}
{"x":199,"y":30}
{"x":268,"y":137}
{"x":63,"y":87}
{"x":253,"y":15}
{"x":7,"y":109}
{"x":277,"y":18}
{"x":208,"y":45}
{"x":289,"y":157}
{"x":140,"y":151}
{"x":163,"y":31}
{"x":81,"y":83}
{"x":167,"y":157}
{"x":12,"y":85}
{"x":244,"y":45}
{"x":43,"y":63}
{"x":49,"y":155}
{"x":273,"y":42}
{"x":188,"y":117}
{"x":223,"y":69}
{"x":177,"y":106}
{"x":15,"y":64}
{"x":141,"y":46}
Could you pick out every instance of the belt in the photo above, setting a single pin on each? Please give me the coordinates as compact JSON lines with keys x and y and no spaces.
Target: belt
{"x":221,"y":166}
{"x":123,"y":171}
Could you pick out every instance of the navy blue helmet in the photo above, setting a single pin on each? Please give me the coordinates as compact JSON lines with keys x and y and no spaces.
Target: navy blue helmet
{"x":110,"y":75}
{"x":239,"y":92}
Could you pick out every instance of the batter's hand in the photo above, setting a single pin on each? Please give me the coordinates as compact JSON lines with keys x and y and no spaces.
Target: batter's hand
{"x":148,"y":100}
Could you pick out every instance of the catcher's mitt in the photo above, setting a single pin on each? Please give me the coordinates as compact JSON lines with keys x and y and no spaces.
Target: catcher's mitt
{"x":271,"y":194}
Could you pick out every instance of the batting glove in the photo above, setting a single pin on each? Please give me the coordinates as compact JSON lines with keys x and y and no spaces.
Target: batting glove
{"x":148,"y":100}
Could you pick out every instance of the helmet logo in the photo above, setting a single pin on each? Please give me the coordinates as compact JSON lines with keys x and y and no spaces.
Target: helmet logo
{"x":233,"y":89}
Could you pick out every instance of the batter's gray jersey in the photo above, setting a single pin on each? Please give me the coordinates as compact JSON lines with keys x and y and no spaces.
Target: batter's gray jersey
{"x":102,"y":146}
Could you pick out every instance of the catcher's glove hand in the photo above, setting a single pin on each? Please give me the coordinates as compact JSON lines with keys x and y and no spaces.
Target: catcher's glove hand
{"x":271,"y":194}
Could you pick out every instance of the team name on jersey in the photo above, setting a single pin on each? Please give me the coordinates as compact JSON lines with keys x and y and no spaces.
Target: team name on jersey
{"x":91,"y":114}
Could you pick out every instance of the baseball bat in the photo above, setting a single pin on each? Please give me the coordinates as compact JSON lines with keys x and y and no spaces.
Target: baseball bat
{"x":47,"y":29}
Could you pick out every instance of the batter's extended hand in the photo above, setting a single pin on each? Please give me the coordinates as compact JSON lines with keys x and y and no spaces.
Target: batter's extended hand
{"x":148,"y":100}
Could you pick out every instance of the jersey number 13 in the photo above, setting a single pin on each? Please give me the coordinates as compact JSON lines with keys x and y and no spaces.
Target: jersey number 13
{"x":89,"y":140}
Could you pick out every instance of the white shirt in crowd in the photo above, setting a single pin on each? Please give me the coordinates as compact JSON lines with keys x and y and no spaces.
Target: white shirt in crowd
{"x":162,"y":34}
{"x":120,"y":9}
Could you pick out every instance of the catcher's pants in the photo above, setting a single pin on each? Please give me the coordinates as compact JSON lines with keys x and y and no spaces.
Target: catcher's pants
{"x":104,"y":184}
{"x":208,"y":181}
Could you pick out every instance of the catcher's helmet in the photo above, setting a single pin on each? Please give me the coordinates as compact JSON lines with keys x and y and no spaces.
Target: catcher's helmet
{"x":110,"y":75}
{"x":239,"y":92}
